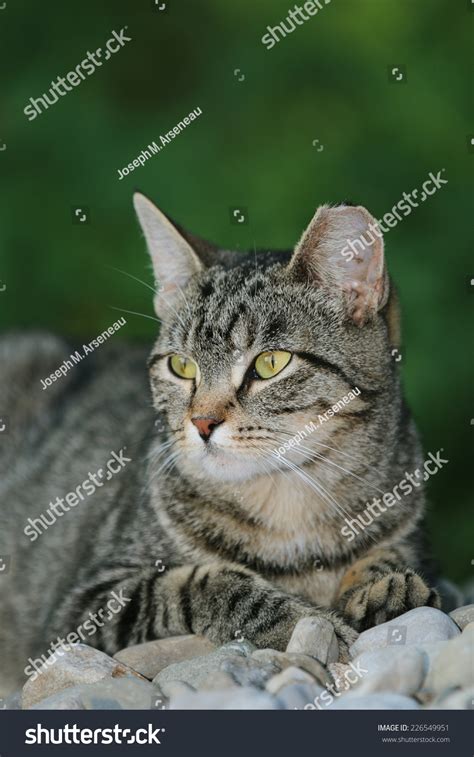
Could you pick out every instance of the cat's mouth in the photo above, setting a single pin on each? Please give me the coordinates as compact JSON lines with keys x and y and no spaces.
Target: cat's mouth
{"x":222,"y":462}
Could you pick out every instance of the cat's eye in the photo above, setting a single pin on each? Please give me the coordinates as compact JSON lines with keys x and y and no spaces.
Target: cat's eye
{"x":268,"y":364}
{"x":183,"y":366}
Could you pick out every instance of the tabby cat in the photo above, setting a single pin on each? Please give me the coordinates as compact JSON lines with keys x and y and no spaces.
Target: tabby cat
{"x":207,"y":529}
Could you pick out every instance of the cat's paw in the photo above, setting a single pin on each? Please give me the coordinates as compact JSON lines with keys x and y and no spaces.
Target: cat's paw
{"x":386,"y":597}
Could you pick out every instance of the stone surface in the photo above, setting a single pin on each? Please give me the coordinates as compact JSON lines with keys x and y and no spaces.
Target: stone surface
{"x":297,"y":696}
{"x":248,"y":671}
{"x":305,"y":662}
{"x":172,"y":689}
{"x":379,"y":701}
{"x":79,"y":664}
{"x":218,"y":680}
{"x":196,"y":670}
{"x":419,"y":626}
{"x":458,"y":699}
{"x":453,"y":666}
{"x":243,"y":698}
{"x":462,"y":616}
{"x":396,"y":669}
{"x":288,"y":676}
{"x":153,"y":656}
{"x":128,"y":693}
{"x":315,"y":636}
{"x":12,"y":702}
{"x":66,"y":699}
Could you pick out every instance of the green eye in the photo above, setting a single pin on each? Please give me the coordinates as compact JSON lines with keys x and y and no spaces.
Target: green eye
{"x":183,"y":366}
{"x":268,"y":364}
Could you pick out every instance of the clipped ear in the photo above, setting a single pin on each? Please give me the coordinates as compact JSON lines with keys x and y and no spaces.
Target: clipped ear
{"x":342,"y":251}
{"x":174,"y":260}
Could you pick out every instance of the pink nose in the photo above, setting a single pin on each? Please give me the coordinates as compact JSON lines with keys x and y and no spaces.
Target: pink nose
{"x":206,"y":425}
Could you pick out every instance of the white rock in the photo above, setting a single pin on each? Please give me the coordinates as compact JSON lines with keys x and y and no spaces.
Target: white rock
{"x":460,"y":699}
{"x":396,"y":669}
{"x":453,"y":667}
{"x":315,"y":636}
{"x":419,"y":626}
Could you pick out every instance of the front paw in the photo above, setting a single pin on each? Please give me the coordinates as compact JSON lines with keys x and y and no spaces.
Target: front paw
{"x":387,"y":596}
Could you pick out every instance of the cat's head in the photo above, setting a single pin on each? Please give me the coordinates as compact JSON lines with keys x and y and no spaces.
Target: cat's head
{"x":251,"y":350}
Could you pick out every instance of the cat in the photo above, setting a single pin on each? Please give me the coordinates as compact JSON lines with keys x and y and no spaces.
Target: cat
{"x":207,"y":528}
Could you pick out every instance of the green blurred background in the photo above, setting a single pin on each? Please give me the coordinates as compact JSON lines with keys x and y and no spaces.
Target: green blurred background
{"x":252,"y":147}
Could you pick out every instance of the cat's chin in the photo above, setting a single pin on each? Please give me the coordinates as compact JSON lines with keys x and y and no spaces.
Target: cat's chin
{"x":223,"y":466}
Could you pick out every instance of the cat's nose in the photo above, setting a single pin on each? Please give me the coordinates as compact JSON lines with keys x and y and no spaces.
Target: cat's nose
{"x":206,"y":424}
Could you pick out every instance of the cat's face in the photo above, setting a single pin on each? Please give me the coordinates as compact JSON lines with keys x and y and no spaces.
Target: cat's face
{"x":249,"y":355}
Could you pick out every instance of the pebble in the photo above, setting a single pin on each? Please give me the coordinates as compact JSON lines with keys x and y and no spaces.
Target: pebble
{"x":67,"y":699}
{"x":286,"y":677}
{"x":218,"y":680}
{"x":418,"y":626}
{"x":379,"y":701}
{"x":453,"y":666}
{"x":303,"y":661}
{"x":459,"y":699}
{"x":297,"y":696}
{"x":396,"y":669}
{"x":243,"y":698}
{"x":79,"y":664}
{"x":196,"y":670}
{"x":315,"y":636}
{"x":127,"y":693}
{"x":463,"y":616}
{"x":152,"y":656}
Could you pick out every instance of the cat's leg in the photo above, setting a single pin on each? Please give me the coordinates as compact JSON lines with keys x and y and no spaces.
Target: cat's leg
{"x":380,"y":587}
{"x":218,"y":600}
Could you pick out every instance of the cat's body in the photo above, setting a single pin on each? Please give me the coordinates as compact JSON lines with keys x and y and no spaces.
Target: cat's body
{"x":204,"y":529}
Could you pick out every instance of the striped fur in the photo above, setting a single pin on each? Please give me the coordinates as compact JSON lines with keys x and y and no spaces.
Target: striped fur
{"x":250,"y":544}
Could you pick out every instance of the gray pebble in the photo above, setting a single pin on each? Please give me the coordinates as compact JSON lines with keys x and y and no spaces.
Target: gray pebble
{"x":419,"y":626}
{"x":79,"y":664}
{"x":396,"y":669}
{"x":463,"y":616}
{"x":152,"y":656}
{"x":296,"y":696}
{"x":243,"y":698}
{"x":286,"y":677}
{"x":454,"y":665}
{"x":457,"y":699}
{"x":315,"y":636}
{"x":379,"y":701}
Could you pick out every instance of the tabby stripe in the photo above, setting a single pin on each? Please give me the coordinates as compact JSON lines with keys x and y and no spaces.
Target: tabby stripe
{"x":127,"y":619}
{"x":254,"y":609}
{"x":185,"y":600}
{"x":151,"y":608}
{"x":92,"y":595}
{"x":236,"y":597}
{"x":320,"y":362}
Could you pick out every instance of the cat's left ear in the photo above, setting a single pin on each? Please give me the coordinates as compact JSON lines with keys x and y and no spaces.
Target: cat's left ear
{"x":174,"y":260}
{"x":342,"y":251}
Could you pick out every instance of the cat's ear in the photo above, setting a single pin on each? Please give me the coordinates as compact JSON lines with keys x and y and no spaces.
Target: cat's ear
{"x":342,"y":252}
{"x":174,"y":260}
